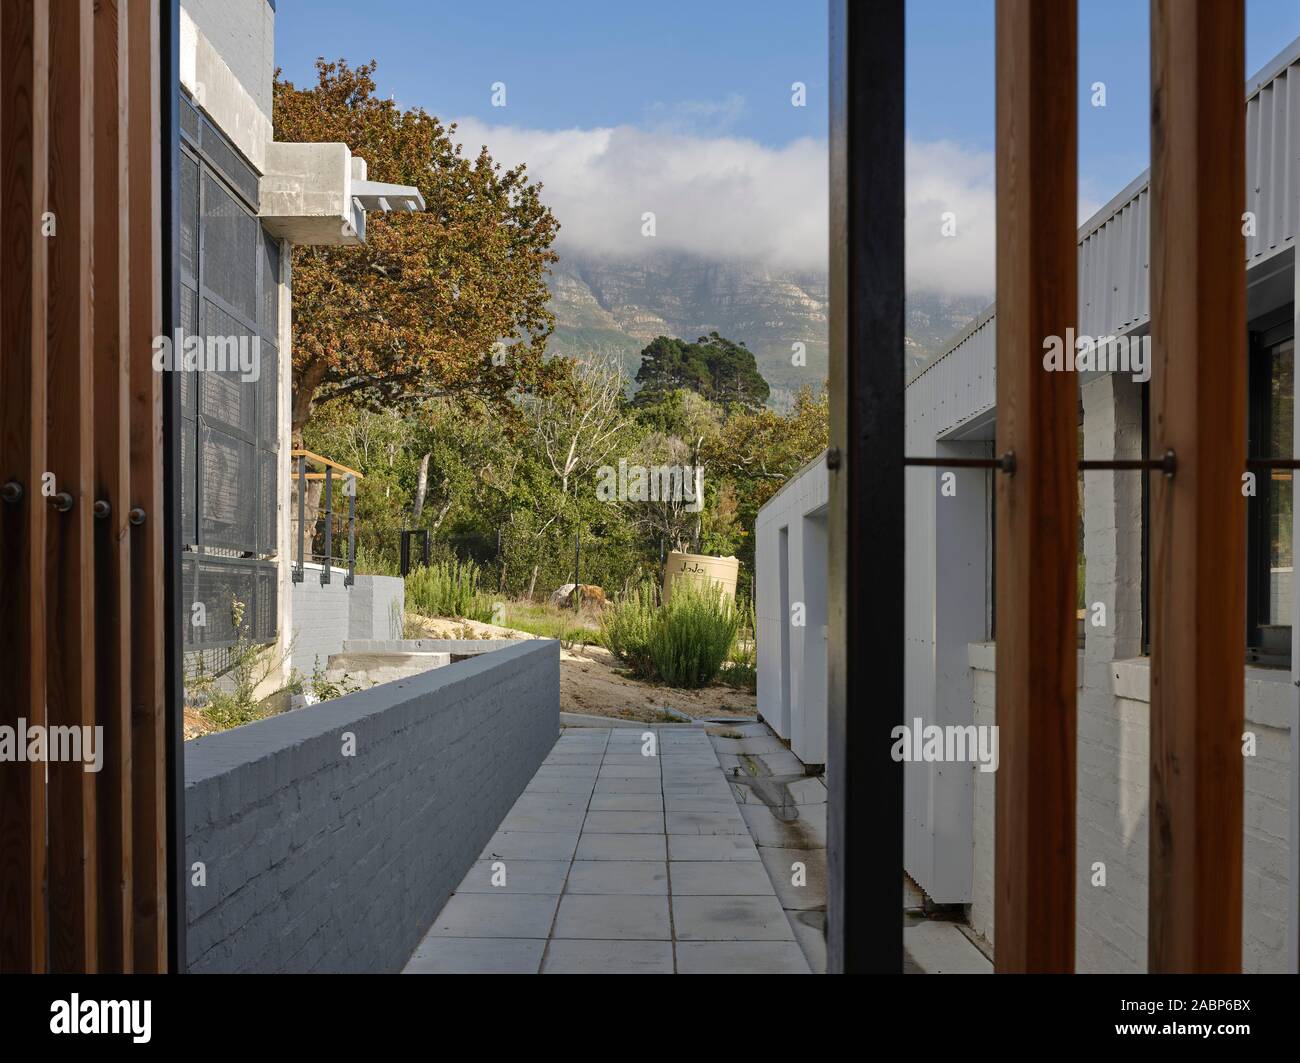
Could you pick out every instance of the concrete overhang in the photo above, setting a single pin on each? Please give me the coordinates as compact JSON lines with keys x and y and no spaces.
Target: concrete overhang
{"x":318,"y":194}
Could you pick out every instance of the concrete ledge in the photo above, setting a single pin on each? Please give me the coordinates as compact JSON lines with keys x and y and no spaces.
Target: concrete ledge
{"x":1270,"y":693}
{"x":460,"y":647}
{"x":329,"y":837}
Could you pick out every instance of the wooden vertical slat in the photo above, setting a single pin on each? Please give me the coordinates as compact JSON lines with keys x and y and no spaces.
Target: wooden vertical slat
{"x":148,"y":703}
{"x":1036,"y":505}
{"x":1198,"y":547}
{"x":865,"y":530}
{"x":70,"y":651}
{"x":24,"y":114}
{"x":112,"y":482}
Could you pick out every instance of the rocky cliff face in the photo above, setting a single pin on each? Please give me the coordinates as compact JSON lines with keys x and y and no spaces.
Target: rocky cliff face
{"x":614,"y":307}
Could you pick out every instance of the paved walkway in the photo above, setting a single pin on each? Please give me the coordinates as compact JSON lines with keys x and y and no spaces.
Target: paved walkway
{"x":624,"y":856}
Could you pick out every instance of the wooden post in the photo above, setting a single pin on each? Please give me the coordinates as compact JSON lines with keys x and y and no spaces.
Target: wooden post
{"x":148,"y":652}
{"x":112,"y":482}
{"x":865,"y":525}
{"x":1198,"y":408}
{"x":1036,"y":504}
{"x":70,"y":573}
{"x":24,"y":117}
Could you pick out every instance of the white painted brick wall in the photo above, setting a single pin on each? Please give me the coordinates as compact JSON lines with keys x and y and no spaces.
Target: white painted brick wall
{"x":1113,"y":738}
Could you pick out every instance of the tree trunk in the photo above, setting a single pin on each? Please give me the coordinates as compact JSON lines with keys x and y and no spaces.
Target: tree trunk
{"x":421,"y":486}
{"x":532,"y":583}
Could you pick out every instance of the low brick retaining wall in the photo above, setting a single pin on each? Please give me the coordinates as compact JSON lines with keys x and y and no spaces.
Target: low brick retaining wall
{"x":328,"y":853}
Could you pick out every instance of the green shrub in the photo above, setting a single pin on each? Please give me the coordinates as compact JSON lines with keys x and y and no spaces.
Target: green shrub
{"x":626,"y":628}
{"x":448,"y":589}
{"x":741,"y":667}
{"x":692,"y":635}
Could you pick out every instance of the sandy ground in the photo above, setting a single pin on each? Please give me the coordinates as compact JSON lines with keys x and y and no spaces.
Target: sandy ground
{"x":592,"y":682}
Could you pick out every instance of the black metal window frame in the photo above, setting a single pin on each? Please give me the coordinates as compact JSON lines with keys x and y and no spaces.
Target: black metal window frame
{"x":218,"y":169}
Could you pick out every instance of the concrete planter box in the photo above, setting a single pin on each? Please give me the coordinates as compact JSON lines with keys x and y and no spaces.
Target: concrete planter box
{"x":331,"y":837}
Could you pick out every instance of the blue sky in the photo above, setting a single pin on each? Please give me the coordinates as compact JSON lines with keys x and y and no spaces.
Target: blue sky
{"x":639,"y":92}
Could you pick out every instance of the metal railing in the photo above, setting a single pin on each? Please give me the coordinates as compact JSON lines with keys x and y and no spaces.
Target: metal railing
{"x":327,"y":525}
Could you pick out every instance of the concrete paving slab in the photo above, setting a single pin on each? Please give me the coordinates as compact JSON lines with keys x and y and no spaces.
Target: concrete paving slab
{"x":643,"y":918}
{"x":630,"y":771}
{"x":719,"y":878}
{"x":521,"y":876}
{"x":941,"y":948}
{"x":476,"y":956}
{"x":628,"y":786}
{"x":548,"y":802}
{"x":779,"y":865}
{"x":529,"y":846}
{"x":608,"y":957}
{"x":612,"y":822}
{"x":495,"y":915}
{"x":780,"y":762}
{"x":639,"y":878}
{"x":810,"y":931}
{"x":711,"y":847}
{"x":559,"y":786}
{"x":623,"y":847}
{"x":626,"y":803}
{"x":807,"y":830}
{"x":705,"y":823}
{"x":740,"y":957}
{"x":730,"y":919}
{"x":559,"y":819}
{"x":692,"y":803}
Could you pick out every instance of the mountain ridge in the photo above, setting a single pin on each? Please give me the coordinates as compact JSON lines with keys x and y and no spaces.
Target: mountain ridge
{"x":612,"y":307}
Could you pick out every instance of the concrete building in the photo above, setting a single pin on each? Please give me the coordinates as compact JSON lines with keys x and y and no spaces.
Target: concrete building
{"x":950,"y":618}
{"x":246,"y":201}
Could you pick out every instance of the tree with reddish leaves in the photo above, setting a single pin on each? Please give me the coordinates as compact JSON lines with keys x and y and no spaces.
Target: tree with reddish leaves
{"x":450,"y":302}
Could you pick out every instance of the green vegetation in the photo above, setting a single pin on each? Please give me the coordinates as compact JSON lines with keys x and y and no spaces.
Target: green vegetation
{"x":692,"y":636}
{"x":741,"y":667}
{"x":683,"y":643}
{"x":627,"y":627}
{"x":716,"y":368}
{"x":448,"y":589}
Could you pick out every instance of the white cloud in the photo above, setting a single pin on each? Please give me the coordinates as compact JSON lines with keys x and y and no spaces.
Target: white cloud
{"x":728,"y":197}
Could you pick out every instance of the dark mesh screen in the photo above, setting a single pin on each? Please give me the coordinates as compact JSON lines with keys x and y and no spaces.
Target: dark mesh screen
{"x":229,"y":447}
{"x":231,"y":237}
{"x":225,"y":159}
{"x":225,"y":396}
{"x":189,"y":217}
{"x":229,"y":491}
{"x":189,"y":327}
{"x":268,"y":396}
{"x":218,"y":583}
{"x":268,"y":474}
{"x":270,"y":316}
{"x":189,"y":521}
{"x":189,"y":118}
